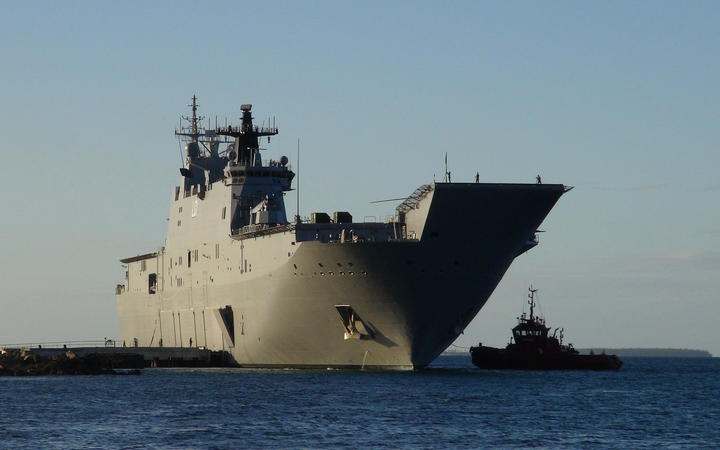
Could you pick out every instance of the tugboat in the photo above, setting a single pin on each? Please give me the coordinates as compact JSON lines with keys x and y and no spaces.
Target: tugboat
{"x":534,"y":349}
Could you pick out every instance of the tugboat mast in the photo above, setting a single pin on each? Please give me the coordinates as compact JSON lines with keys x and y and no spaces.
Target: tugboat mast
{"x":531,"y":302}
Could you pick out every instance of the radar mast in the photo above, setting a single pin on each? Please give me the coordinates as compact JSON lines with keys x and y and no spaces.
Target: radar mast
{"x":192,"y":131}
{"x":531,"y":302}
{"x":246,"y":136}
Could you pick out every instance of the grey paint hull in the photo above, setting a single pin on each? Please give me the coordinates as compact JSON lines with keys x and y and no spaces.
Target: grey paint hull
{"x":415,"y":295}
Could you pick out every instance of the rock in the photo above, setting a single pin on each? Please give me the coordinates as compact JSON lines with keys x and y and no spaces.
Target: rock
{"x":19,"y":363}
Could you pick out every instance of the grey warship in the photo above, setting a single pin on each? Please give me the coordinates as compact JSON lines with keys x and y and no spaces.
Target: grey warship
{"x":236,"y":275}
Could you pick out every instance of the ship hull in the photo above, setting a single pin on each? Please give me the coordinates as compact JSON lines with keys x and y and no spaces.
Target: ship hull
{"x":413,"y":296}
{"x":502,"y":359}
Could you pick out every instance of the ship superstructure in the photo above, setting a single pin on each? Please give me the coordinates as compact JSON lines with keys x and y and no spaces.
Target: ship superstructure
{"x":235,"y":274}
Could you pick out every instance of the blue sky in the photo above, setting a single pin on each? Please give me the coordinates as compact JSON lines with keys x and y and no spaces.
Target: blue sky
{"x":617,"y":99}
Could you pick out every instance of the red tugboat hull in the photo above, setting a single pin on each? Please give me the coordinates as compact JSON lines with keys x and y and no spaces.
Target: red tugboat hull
{"x":505,"y":359}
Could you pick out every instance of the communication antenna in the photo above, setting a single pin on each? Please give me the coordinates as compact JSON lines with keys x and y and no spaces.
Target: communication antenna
{"x":531,"y":302}
{"x":447,"y":178}
{"x":297,"y":203}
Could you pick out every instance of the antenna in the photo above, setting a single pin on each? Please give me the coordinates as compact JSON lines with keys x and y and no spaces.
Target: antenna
{"x":448,"y":176}
{"x":297,"y":204}
{"x":389,"y":200}
{"x":446,"y":172}
{"x":531,"y":302}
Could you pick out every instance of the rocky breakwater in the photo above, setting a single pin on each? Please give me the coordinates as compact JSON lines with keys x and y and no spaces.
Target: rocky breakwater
{"x":23,"y":362}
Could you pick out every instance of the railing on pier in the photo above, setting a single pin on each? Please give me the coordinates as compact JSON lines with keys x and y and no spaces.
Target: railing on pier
{"x":62,"y":344}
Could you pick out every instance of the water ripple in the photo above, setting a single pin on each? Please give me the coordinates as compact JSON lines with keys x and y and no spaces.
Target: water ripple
{"x":649,"y":403}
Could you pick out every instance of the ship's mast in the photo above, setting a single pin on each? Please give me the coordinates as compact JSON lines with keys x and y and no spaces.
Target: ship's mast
{"x":246,"y":137}
{"x":531,"y":302}
{"x":193,"y":171}
{"x":193,"y":131}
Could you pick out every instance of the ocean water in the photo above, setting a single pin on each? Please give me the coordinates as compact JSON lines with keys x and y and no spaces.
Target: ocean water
{"x":651,"y":402}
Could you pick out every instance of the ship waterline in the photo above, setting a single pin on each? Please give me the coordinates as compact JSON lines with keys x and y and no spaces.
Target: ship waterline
{"x":330,"y":293}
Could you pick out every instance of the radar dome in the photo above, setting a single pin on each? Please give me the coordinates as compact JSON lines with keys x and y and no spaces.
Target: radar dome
{"x":283,"y":160}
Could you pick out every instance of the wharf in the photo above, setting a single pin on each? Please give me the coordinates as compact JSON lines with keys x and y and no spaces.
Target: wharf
{"x":139,"y":357}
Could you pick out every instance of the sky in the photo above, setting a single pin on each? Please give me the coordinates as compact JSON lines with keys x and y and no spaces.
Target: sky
{"x":618,"y":99}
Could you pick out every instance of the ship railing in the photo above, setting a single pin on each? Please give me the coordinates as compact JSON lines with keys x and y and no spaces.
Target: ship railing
{"x":352,"y":233}
{"x":260,"y":229}
{"x":349,"y":233}
{"x":61,"y":344}
{"x":414,"y":199}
